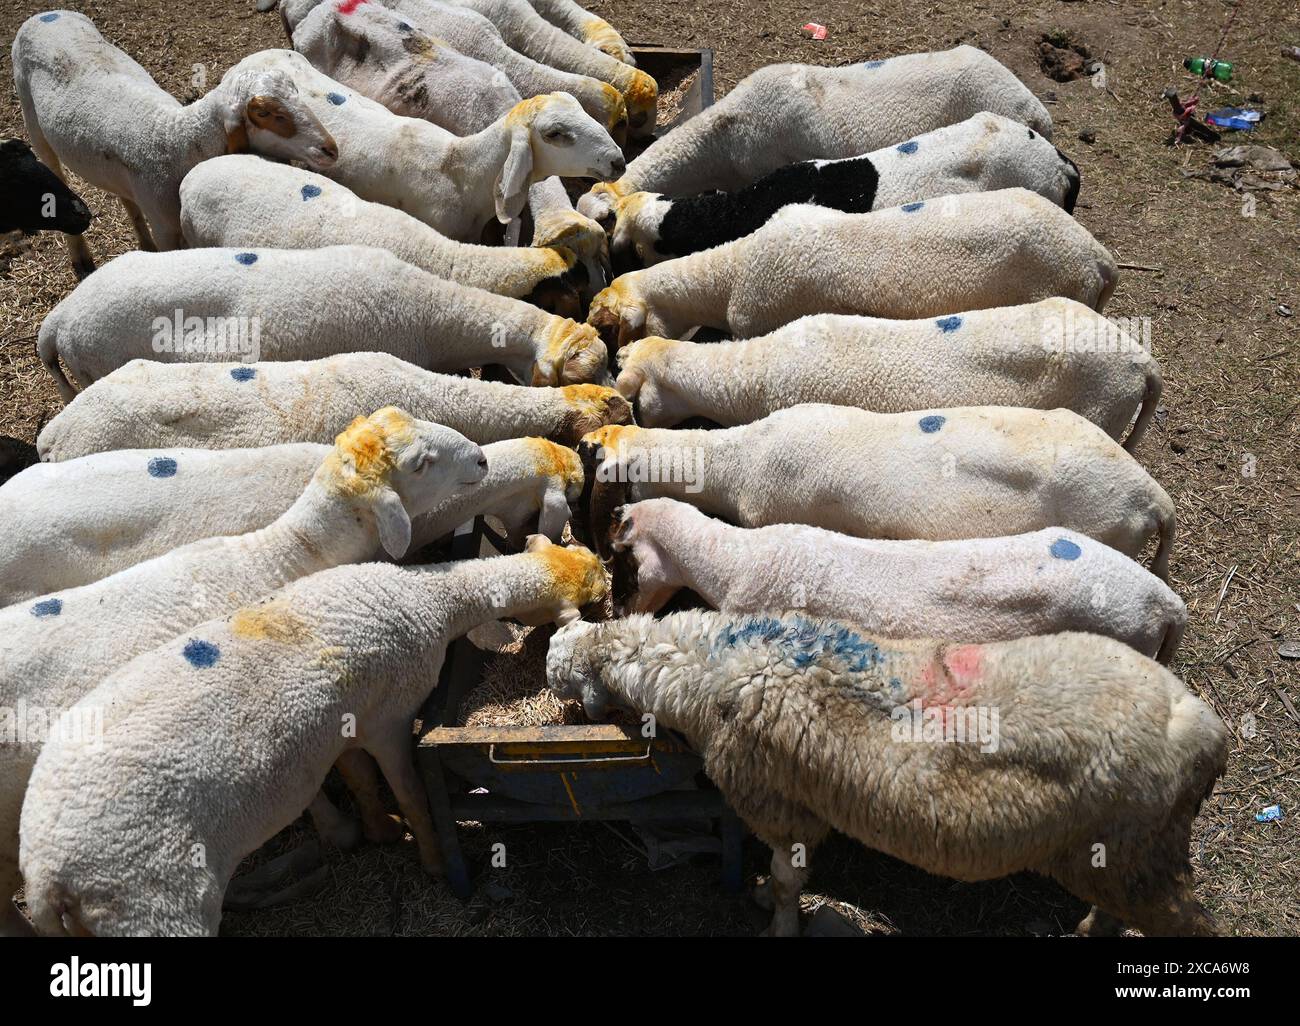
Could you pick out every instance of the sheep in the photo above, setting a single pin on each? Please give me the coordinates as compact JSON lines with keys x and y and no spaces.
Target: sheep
{"x":235,"y":405}
{"x":68,"y":524}
{"x":384,"y":470}
{"x":358,"y":645}
{"x":88,"y":105}
{"x":209,"y":305}
{"x":252,"y":204}
{"x":986,"y":589}
{"x":396,"y":57}
{"x":935,"y":475}
{"x":460,"y":184}
{"x":1049,"y":354}
{"x":36,"y":200}
{"x":981,"y":154}
{"x":930,"y":258}
{"x":524,"y":58}
{"x":783,"y":113}
{"x":968,"y":761}
{"x":582,"y":24}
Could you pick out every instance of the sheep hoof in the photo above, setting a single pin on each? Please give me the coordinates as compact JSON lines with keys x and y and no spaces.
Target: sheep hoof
{"x":1099,"y":924}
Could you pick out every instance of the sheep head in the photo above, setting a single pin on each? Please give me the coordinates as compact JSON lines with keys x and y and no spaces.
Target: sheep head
{"x":604,"y":37}
{"x":601,"y":452}
{"x":575,"y":579}
{"x":573,"y":354}
{"x":642,"y":97}
{"x":399,"y":467}
{"x":38,"y":199}
{"x":579,"y":233}
{"x":644,"y":577}
{"x":573,"y":664}
{"x":561,"y":469}
{"x":641,"y":381}
{"x":618,"y":314}
{"x":598,"y":202}
{"x":589,"y":407}
{"x":634,"y":237}
{"x":262,"y":111}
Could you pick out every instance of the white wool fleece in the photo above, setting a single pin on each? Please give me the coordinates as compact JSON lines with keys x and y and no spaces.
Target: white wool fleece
{"x":1044,"y":355}
{"x":222,"y":736}
{"x":969,"y":472}
{"x":225,"y":406}
{"x":968,"y":761}
{"x":215,"y":305}
{"x":67,"y":524}
{"x":383,"y":471}
{"x":980,"y":589}
{"x":930,"y":258}
{"x":783,"y":113}
{"x":582,"y":24}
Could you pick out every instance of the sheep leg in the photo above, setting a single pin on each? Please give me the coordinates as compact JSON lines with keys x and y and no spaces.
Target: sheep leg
{"x":393,"y":753}
{"x":785,"y":885}
{"x":333,"y":826}
{"x":1099,"y":923}
{"x":79,"y":255}
{"x":362,"y":777}
{"x":141,"y":226}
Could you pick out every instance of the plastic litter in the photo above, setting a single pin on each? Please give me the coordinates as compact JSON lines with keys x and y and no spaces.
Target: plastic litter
{"x":1269,"y":814}
{"x":815,"y":30}
{"x":1236,"y":118}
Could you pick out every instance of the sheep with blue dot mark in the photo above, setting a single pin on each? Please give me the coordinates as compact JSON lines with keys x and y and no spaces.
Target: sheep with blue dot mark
{"x":785,"y":113}
{"x":70,"y":523}
{"x":935,"y":475}
{"x":366,"y":299}
{"x":981,"y":154}
{"x":974,"y":590}
{"x":208,"y":405}
{"x":383,"y":471}
{"x":221,"y":736}
{"x":89,"y":106}
{"x":933,"y":258}
{"x":808,"y":725}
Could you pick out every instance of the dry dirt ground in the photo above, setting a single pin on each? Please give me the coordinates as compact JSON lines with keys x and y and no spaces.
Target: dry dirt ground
{"x":1225,"y":447}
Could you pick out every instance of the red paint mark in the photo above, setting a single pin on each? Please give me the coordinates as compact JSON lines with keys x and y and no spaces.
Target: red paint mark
{"x":348,"y":6}
{"x":964,"y":663}
{"x":950,"y":680}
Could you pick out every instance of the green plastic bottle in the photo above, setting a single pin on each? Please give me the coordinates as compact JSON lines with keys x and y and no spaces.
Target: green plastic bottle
{"x":1220,"y":70}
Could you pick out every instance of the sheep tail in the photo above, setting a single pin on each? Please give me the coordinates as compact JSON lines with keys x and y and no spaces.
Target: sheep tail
{"x":47,"y":348}
{"x":54,"y":912}
{"x":1160,"y":565}
{"x":1155,"y":384}
{"x":1173,"y":638}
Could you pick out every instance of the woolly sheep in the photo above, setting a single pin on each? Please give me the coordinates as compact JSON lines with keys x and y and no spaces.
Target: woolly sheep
{"x":246,"y":203}
{"x":582,"y":24}
{"x":924,"y":259}
{"x":383,"y":471}
{"x":67,"y":524}
{"x":809,"y":725}
{"x":36,"y":200}
{"x":783,"y":113}
{"x":1049,"y":354}
{"x":90,"y":106}
{"x":224,"y":406}
{"x":938,"y":475}
{"x":985,"y":589}
{"x":358,"y":644}
{"x":981,"y":154}
{"x":209,"y":305}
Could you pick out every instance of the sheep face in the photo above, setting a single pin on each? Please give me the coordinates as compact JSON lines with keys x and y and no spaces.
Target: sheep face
{"x":579,"y":233}
{"x":574,"y":579}
{"x":605,"y":38}
{"x":635,"y":233}
{"x":642,"y":97}
{"x":573,"y":668}
{"x":38,"y":200}
{"x":589,"y":407}
{"x":264,"y":113}
{"x":598,"y":203}
{"x":618,"y":314}
{"x":1028,"y":160}
{"x":644,"y":578}
{"x":574,"y":354}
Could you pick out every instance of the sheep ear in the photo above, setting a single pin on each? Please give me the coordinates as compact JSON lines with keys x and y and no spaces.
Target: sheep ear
{"x":512,"y":184}
{"x":536,"y":543}
{"x":620,"y":539}
{"x":394,"y":523}
{"x":555,"y":513}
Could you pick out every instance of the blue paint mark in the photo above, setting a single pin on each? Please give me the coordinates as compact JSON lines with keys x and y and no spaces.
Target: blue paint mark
{"x":908,"y":147}
{"x":338,"y":99}
{"x":247,"y":259}
{"x":310,"y":192}
{"x":48,"y":607}
{"x":947,"y":324}
{"x":162,"y":466}
{"x":243,"y":373}
{"x":912,"y":208}
{"x":49,"y":17}
{"x":802,"y":642}
{"x":1063,"y":548}
{"x":932,"y":424}
{"x":873,"y":64}
{"x":200,"y":653}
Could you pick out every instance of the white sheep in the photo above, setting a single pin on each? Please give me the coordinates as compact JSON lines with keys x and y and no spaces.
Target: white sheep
{"x":88,"y":105}
{"x":232,"y":406}
{"x":252,"y":204}
{"x":383,"y":471}
{"x":977,"y":590}
{"x":981,"y":154}
{"x":214,"y":305}
{"x":968,"y":761}
{"x":937,"y":475}
{"x":1049,"y":354}
{"x":168,"y":775}
{"x":67,"y":524}
{"x":930,"y":258}
{"x":582,"y":24}
{"x":783,"y":113}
